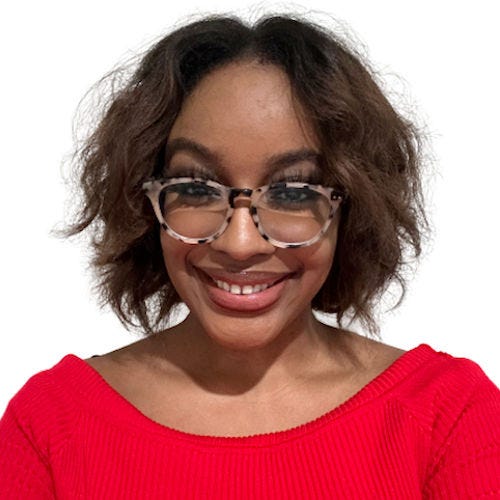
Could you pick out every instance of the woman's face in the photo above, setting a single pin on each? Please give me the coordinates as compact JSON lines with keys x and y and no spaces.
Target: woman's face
{"x":233,"y":128}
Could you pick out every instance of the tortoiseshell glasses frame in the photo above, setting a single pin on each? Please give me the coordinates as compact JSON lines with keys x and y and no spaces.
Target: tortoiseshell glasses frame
{"x":292,"y":202}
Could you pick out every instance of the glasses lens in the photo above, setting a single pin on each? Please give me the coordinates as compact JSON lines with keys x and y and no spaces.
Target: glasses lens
{"x":292,"y":214}
{"x":193,"y":209}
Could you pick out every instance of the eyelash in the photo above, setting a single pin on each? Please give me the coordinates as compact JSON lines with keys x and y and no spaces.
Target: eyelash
{"x":193,"y":171}
{"x":297,"y":176}
{"x":288,"y":176}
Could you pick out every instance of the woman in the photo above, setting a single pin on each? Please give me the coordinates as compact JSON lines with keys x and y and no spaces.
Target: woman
{"x":255,"y":174}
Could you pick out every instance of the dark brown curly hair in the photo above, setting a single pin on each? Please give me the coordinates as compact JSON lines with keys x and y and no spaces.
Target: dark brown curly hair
{"x":368,"y":149}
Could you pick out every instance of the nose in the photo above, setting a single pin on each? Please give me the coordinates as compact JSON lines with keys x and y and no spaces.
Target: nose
{"x":241,"y":240}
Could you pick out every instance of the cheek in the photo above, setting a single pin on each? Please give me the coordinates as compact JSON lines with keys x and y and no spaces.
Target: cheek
{"x":177,"y":257}
{"x":174,"y":256}
{"x":318,"y":259}
{"x":170,"y":250}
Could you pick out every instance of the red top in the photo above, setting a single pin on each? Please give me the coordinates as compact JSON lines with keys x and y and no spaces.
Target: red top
{"x":427,"y":426}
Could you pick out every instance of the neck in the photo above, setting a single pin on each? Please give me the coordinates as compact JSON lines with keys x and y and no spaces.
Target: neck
{"x":301,"y":351}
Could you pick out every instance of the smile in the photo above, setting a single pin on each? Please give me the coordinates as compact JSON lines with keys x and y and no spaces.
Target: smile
{"x":241,"y":290}
{"x":245,"y":292}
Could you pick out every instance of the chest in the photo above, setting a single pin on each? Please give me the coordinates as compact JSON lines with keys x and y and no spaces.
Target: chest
{"x":179,"y":405}
{"x":233,"y":417}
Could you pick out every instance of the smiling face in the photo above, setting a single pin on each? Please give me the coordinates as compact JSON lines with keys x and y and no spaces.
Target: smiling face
{"x":240,"y":127}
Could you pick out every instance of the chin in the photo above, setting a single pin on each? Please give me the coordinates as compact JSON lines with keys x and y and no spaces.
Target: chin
{"x":244,"y":332}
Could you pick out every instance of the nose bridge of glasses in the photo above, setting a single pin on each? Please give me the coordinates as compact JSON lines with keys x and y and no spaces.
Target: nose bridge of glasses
{"x":236,"y":192}
{"x":242,"y":198}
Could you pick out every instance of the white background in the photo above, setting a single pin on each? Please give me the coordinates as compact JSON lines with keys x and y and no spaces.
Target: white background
{"x":445,"y":56}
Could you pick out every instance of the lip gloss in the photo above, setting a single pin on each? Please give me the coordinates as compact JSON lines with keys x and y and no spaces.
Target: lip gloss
{"x":246,"y":303}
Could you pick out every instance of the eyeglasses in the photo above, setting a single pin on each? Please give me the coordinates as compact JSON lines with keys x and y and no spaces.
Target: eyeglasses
{"x":287,"y":214}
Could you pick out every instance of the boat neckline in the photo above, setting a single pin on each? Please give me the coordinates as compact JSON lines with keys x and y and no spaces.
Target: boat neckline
{"x":115,"y":406}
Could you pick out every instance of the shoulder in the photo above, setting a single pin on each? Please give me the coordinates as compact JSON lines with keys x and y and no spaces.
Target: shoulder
{"x":454,"y":411}
{"x":432,"y":383}
{"x":45,"y":408}
{"x":45,"y":388}
{"x":422,"y":378}
{"x":458,"y":407}
{"x":446,"y":379}
{"x":438,"y":389}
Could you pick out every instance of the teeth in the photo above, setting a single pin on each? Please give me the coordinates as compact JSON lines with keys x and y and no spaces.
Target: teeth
{"x":238,"y":290}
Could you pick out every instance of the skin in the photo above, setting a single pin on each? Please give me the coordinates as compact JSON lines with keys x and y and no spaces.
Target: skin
{"x":249,"y":371}
{"x":245,"y":114}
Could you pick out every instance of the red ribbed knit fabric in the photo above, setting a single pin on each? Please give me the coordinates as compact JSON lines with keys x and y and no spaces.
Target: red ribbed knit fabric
{"x":428,"y":426}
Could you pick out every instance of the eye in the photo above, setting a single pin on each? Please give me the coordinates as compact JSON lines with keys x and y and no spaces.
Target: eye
{"x":192,"y":194}
{"x":283,"y":197}
{"x":195,"y":190}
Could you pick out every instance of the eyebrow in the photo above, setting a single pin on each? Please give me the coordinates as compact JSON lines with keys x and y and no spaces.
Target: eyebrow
{"x":274,"y":162}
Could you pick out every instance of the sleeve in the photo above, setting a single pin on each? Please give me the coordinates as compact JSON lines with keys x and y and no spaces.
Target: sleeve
{"x":24,"y":472}
{"x":467,"y":461}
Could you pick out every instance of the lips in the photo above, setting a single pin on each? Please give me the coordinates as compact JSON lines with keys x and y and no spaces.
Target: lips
{"x":245,"y":291}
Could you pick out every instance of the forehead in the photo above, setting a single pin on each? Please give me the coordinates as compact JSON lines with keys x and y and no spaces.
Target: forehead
{"x":245,"y":114}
